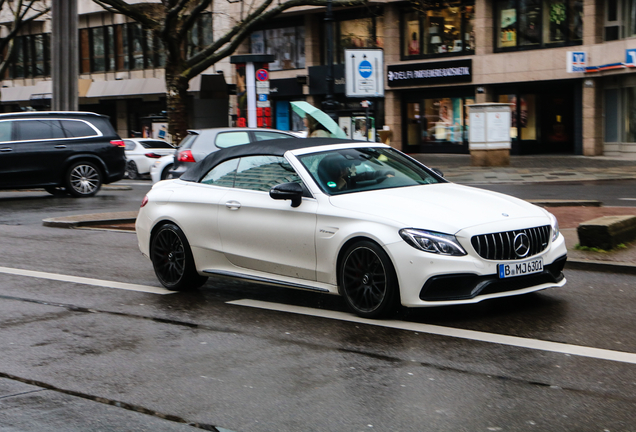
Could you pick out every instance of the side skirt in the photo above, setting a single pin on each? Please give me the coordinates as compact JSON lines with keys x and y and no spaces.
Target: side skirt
{"x":265,"y":281}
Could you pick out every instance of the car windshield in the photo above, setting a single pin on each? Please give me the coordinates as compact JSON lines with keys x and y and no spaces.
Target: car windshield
{"x":362,"y":169}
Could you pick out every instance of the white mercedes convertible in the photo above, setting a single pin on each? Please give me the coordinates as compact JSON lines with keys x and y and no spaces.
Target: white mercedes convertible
{"x":357,"y":219}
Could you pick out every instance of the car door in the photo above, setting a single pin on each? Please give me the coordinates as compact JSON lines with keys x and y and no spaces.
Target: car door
{"x":43,"y":150}
{"x":263,"y":234}
{"x":9,"y":155}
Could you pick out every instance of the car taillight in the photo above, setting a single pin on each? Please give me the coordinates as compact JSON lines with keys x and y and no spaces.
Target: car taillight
{"x":118,"y":143}
{"x":153,"y":155}
{"x":144,"y":201}
{"x":185,"y":156}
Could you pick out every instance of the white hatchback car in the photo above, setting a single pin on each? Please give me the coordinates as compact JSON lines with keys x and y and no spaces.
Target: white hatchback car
{"x":142,"y":152}
{"x":358,"y":219}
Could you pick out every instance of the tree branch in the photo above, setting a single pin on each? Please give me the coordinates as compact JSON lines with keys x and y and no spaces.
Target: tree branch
{"x":133,"y":11}
{"x":226,"y":45}
{"x":192,"y":18}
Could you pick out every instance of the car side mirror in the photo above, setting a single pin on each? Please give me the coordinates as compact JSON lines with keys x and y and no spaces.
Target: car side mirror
{"x":288,"y":191}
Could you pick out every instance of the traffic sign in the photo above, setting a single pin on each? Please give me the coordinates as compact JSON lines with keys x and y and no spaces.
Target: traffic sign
{"x":363,"y":73}
{"x":262,"y":75}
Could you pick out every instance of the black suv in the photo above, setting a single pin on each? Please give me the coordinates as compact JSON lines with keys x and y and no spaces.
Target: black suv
{"x":75,"y":152}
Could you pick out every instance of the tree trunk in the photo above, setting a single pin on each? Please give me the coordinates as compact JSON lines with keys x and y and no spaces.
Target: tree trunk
{"x":177,"y":99}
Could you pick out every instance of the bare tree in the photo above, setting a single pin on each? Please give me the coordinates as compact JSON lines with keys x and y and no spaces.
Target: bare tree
{"x":171,"y":20}
{"x":23,"y":12}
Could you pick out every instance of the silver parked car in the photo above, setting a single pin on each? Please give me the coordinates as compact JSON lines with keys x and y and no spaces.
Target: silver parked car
{"x":201,"y":142}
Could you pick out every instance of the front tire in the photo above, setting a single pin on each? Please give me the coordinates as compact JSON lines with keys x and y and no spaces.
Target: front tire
{"x":83,"y":179}
{"x":172,"y":259}
{"x":368,"y":281}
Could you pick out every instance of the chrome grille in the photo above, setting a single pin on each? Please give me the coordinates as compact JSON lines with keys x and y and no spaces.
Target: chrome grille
{"x":500,"y":246}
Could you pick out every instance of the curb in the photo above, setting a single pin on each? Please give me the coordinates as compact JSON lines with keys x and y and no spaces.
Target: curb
{"x":601,"y":266}
{"x":90,"y":219}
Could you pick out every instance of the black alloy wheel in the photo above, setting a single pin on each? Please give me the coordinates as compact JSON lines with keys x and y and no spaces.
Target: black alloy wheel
{"x":172,"y":259}
{"x":368,"y":281}
{"x":131,"y":170}
{"x":83,"y":179}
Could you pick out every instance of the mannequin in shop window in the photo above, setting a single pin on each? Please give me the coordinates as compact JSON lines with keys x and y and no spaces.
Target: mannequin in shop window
{"x":414,"y":45}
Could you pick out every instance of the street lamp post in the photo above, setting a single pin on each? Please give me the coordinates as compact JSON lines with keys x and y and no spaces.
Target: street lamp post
{"x":64,"y":55}
{"x":329,"y":105}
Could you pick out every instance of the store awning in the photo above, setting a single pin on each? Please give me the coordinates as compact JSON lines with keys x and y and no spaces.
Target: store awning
{"x":130,"y":87}
{"x":24,"y":93}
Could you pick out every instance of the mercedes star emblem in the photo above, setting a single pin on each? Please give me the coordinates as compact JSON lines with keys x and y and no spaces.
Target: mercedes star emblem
{"x":521,"y":245}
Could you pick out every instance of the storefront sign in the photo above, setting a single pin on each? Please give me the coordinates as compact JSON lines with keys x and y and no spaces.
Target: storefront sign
{"x":630,"y":57}
{"x":449,"y":72}
{"x":576,"y":61}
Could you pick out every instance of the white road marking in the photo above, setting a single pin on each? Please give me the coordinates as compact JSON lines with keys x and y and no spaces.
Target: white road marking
{"x":535,"y":344}
{"x":627,"y":199}
{"x":86,"y":281}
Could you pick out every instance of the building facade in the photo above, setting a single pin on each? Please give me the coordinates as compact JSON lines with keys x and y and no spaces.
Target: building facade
{"x":566,"y":67}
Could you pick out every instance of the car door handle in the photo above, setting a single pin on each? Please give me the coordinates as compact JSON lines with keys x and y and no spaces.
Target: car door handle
{"x":61,"y":146}
{"x":6,"y":149}
{"x":233,"y":205}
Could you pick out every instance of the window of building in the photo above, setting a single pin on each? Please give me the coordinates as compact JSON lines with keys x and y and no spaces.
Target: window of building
{"x":537,"y":23}
{"x":287,"y":44}
{"x":31,"y":58}
{"x":620,"y":19}
{"x":443,"y":28}
{"x":200,"y":35}
{"x":365,"y":32}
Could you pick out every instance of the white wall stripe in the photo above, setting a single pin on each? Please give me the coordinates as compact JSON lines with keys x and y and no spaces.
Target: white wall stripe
{"x":535,"y":344}
{"x":86,"y":281}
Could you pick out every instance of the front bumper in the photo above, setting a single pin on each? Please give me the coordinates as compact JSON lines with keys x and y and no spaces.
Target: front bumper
{"x":427,"y":279}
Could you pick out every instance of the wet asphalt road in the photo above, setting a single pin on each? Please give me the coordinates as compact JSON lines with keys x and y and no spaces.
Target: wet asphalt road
{"x":77,"y":357}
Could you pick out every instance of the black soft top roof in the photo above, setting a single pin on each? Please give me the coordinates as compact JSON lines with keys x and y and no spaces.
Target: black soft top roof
{"x":275,"y":147}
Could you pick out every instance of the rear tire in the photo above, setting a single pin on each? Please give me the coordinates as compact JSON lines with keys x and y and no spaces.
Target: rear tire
{"x":83,"y":179}
{"x":131,"y":170}
{"x":172,"y":259}
{"x":367,"y":280}
{"x":166,"y":172}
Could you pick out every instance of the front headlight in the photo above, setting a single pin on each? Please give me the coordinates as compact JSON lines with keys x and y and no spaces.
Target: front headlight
{"x":555,"y":226}
{"x":433,"y":242}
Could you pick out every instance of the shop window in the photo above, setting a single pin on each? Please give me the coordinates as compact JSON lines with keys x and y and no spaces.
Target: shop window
{"x":287,"y":44}
{"x":356,"y":30}
{"x":439,"y":29}
{"x":437,"y":121}
{"x":538,"y":23}
{"x":611,"y":115}
{"x":523,"y":118}
{"x":630,"y":115}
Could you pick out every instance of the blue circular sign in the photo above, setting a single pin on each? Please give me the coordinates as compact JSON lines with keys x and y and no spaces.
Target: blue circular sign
{"x":365,"y":69}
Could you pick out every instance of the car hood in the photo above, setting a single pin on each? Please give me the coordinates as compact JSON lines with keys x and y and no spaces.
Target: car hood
{"x":444,"y":207}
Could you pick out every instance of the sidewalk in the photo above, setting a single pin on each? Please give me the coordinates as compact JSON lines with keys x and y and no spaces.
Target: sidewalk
{"x":522,"y":169}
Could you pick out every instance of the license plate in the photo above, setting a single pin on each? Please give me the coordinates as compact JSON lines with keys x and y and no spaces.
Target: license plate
{"x":520,"y":268}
